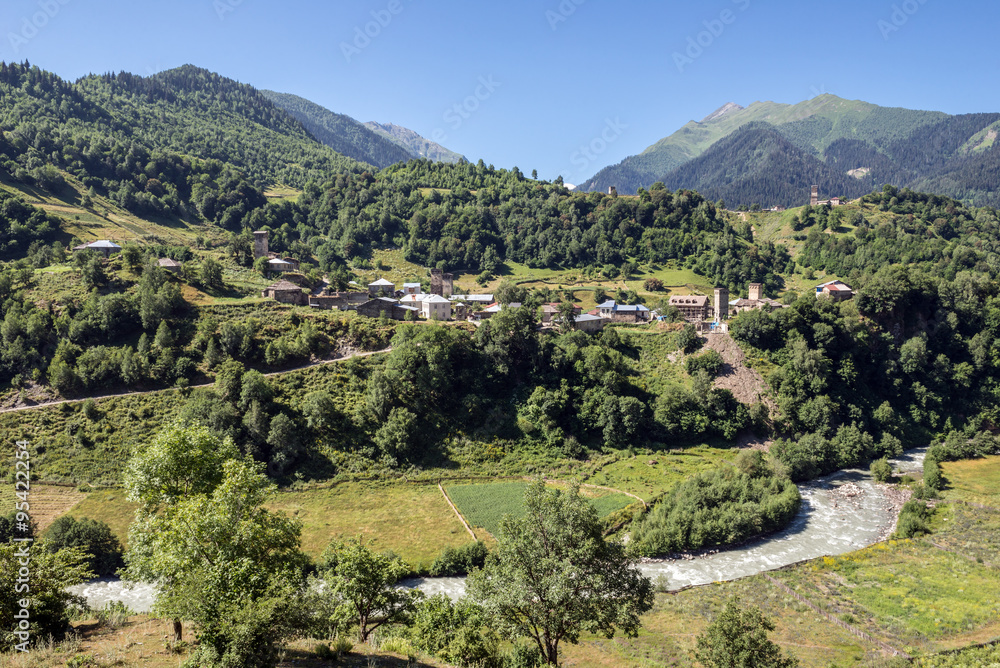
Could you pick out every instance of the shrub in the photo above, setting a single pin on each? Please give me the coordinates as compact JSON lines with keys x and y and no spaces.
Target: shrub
{"x":93,"y":536}
{"x":342,"y":646}
{"x":881,"y":470}
{"x":932,"y":473}
{"x":398,"y":645}
{"x":459,"y":561}
{"x":454,"y":631}
{"x":913,"y":520}
{"x":114,"y":615}
{"x":710,"y":361}
{"x":718,"y":507}
{"x":806,"y":458}
{"x":687,"y":339}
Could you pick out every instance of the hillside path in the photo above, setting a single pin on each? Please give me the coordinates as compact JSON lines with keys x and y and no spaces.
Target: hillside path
{"x":343,"y":358}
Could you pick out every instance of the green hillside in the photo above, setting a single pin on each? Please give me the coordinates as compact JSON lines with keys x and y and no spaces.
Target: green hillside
{"x":756,"y":164}
{"x":341,"y":133}
{"x":696,"y":137}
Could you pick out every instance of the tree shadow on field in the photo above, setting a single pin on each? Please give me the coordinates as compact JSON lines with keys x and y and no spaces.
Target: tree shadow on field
{"x":361,"y":659}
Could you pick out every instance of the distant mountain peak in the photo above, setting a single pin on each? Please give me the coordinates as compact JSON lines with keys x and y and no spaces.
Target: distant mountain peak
{"x":728,"y":107}
{"x":418,"y":146}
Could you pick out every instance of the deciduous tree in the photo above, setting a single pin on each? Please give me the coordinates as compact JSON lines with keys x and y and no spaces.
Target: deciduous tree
{"x":553,"y":576}
{"x":737,"y":638}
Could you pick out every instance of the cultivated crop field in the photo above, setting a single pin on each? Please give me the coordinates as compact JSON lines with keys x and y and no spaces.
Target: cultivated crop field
{"x":484,"y":505}
{"x":47,"y":502}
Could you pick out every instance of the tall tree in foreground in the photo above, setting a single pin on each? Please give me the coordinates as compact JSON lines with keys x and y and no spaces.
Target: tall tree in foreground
{"x":218,"y":557}
{"x":553,"y":576}
{"x":738,"y":639}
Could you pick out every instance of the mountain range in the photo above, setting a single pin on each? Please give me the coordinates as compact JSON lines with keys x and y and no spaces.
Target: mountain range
{"x":377,"y":144}
{"x":768,"y":153}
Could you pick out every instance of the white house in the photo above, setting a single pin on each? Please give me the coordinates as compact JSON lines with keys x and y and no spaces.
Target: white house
{"x":435,"y":307}
{"x":104,"y":247}
{"x":277,"y":264}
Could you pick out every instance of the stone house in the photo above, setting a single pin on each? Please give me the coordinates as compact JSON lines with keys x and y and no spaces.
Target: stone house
{"x":694,"y":308}
{"x":835,"y":290}
{"x":104,"y":247}
{"x":435,"y":307}
{"x":169,"y":264}
{"x":550,"y":311}
{"x":381,"y":287}
{"x":588,"y":323}
{"x":385,"y":307}
{"x":286,"y":292}
{"x":277,"y":264}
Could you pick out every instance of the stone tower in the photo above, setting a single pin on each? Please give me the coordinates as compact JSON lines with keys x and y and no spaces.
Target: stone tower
{"x":721,"y":304}
{"x":756,"y":292}
{"x":814,"y":198}
{"x":437,"y":282}
{"x":447,"y":285}
{"x":260,"y":244}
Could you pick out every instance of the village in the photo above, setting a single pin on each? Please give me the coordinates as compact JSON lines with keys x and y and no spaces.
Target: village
{"x":409,"y":302}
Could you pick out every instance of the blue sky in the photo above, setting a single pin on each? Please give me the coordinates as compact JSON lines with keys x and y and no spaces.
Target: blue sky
{"x":531,"y":83}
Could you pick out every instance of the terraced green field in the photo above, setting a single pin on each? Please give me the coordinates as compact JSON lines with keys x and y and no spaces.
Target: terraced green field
{"x":484,"y":505}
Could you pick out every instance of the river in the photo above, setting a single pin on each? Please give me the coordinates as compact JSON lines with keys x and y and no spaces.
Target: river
{"x":842,"y":512}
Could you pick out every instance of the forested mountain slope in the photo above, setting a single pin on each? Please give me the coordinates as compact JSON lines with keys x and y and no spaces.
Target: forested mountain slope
{"x":183,"y":142}
{"x":758,"y":165}
{"x":952,"y":155}
{"x":341,"y":133}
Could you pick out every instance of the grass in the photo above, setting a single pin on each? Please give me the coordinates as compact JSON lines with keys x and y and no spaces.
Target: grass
{"x":483,"y":505}
{"x":914,"y":595}
{"x":71,"y":448}
{"x":649,"y":475}
{"x":141,"y":641}
{"x":412,"y":520}
{"x":975,"y":480}
{"x":109,"y":506}
{"x":668,"y":635}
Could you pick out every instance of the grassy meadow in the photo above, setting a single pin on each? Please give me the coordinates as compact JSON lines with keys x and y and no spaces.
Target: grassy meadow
{"x":413,"y":520}
{"x":649,"y":476}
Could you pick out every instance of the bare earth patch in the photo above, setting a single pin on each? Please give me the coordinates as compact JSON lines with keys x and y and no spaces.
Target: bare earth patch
{"x":747,"y":385}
